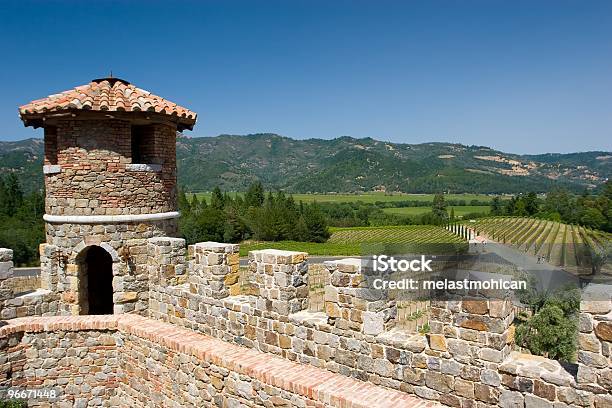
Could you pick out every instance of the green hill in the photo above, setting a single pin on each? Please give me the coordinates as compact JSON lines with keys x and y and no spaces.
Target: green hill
{"x":347,"y":164}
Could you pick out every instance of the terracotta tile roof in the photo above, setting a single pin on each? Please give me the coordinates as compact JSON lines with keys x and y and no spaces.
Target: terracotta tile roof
{"x":108,"y":94}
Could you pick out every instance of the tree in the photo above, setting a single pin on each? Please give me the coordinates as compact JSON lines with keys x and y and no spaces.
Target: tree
{"x":183,"y":203}
{"x":520,"y":209}
{"x":210,"y":224}
{"x":22,"y":227}
{"x":438,"y":207}
{"x":511,"y":206}
{"x":593,"y":218}
{"x":560,"y":201}
{"x":552,"y":330}
{"x":255,"y":195}
{"x":496,"y":206}
{"x":600,"y":256}
{"x":217,"y":200}
{"x":316,"y":224}
{"x":195,"y":205}
{"x":233,"y":231}
{"x":300,"y":232}
{"x":531,"y":203}
{"x":11,"y":196}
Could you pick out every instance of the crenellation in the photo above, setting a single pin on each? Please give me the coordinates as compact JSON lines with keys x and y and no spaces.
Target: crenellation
{"x":455,"y":363}
{"x":280,"y":278}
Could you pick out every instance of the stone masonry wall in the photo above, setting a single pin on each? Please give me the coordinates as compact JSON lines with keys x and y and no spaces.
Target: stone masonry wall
{"x":22,"y":284}
{"x":130,"y":361}
{"x":6,"y":272}
{"x":127,"y":244}
{"x":595,"y":341}
{"x":88,"y":173}
{"x":94,"y":176}
{"x":82,"y":367}
{"x":15,"y":300}
{"x":464,"y":361}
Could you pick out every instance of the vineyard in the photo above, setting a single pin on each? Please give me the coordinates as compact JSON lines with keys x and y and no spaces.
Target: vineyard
{"x":354,"y":241}
{"x":572,"y":247}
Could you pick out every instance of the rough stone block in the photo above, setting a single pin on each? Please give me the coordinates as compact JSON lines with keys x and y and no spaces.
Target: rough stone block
{"x":216,"y":247}
{"x":596,"y":307}
{"x":544,"y":390}
{"x":592,"y":359}
{"x":532,"y":401}
{"x":511,"y":399}
{"x":414,"y":376}
{"x":490,"y":377}
{"x":603,"y":401}
{"x":6,"y":269}
{"x":437,"y":342}
{"x":477,"y":306}
{"x":603,"y":330}
{"x":486,"y":393}
{"x":439,"y":382}
{"x":589,"y":342}
{"x":585,"y":323}
{"x":6,"y":254}
{"x":464,"y":388}
{"x":373,"y":323}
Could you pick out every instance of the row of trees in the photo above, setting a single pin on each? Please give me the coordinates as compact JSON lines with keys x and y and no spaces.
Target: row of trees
{"x":21,"y":222}
{"x":257,"y":215}
{"x":360,"y":214}
{"x":593,"y":210}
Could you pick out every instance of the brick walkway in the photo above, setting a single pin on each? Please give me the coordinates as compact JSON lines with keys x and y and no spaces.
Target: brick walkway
{"x":318,"y":384}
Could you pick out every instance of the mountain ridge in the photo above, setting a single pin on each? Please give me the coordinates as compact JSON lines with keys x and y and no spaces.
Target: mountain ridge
{"x":348,"y":164}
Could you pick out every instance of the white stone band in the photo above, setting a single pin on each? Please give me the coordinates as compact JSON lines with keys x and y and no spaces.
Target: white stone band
{"x":109,"y":219}
{"x":143,"y":167}
{"x":52,"y":168}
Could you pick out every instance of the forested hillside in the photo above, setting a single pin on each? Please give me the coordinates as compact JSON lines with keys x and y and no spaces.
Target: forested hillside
{"x":346,"y":164}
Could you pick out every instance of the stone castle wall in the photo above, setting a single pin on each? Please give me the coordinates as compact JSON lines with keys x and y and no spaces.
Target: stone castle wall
{"x":89,"y":169}
{"x":18,"y":297}
{"x":81,"y":367}
{"x":466,"y":360}
{"x":129,"y":361}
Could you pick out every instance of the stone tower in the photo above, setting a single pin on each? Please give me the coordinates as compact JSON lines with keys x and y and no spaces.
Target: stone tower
{"x":110,"y":183}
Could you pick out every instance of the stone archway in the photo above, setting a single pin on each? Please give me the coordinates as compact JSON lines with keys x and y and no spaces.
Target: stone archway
{"x":95,"y":281}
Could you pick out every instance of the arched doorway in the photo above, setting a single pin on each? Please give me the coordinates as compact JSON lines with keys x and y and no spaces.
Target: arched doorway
{"x":95,"y":281}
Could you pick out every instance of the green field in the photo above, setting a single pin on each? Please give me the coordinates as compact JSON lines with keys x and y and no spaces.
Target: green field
{"x":372,"y":197}
{"x":353,"y":241}
{"x":460,"y":210}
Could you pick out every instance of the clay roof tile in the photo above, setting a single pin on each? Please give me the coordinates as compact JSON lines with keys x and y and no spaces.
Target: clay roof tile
{"x":108,"y":94}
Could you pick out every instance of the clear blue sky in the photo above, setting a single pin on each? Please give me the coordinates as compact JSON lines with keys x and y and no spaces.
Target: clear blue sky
{"x":521,"y":76}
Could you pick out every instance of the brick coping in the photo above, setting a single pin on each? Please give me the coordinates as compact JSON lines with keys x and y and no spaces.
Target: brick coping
{"x":312,"y":382}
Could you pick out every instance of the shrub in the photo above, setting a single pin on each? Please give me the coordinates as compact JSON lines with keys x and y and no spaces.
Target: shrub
{"x":13,"y":404}
{"x":549,"y":333}
{"x":552,"y":329}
